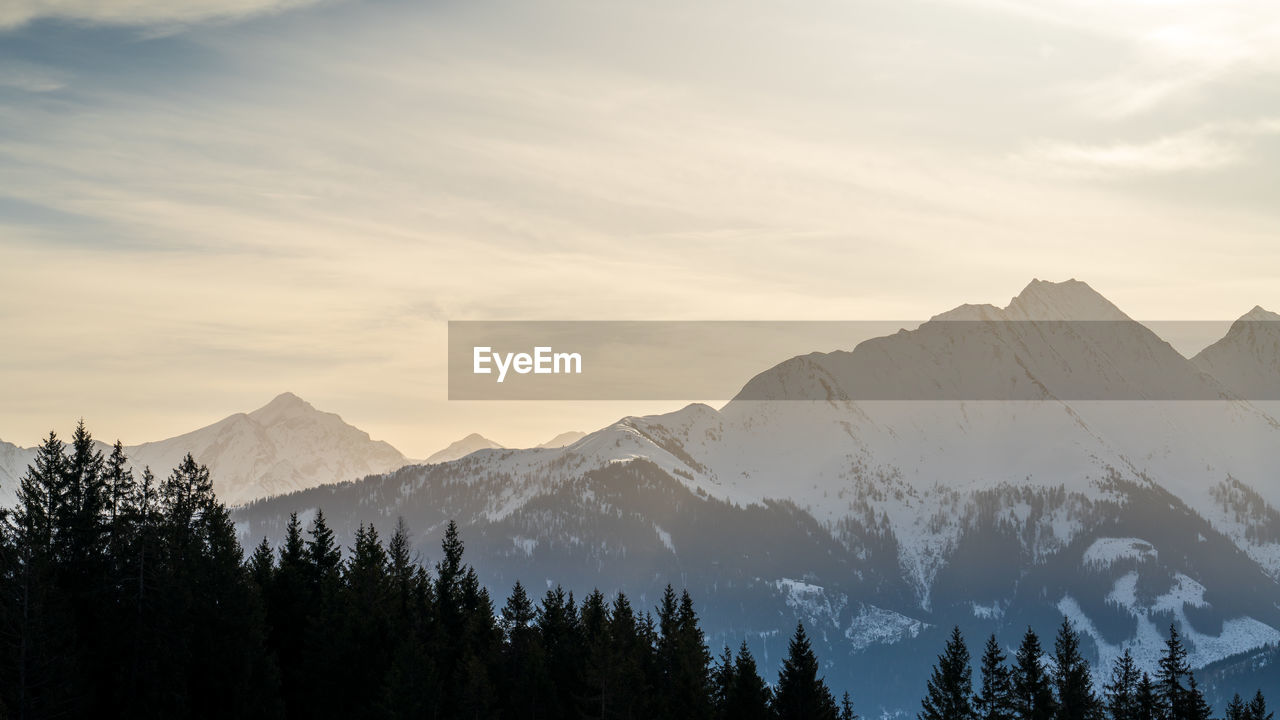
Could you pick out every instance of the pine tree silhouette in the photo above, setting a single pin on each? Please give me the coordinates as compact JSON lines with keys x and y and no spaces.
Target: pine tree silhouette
{"x":1121,"y":692}
{"x":749,"y":697}
{"x":1032,"y":689}
{"x":1171,"y":679}
{"x":801,"y":693}
{"x":1071,"y":677}
{"x":994,"y":699}
{"x":950,"y":690}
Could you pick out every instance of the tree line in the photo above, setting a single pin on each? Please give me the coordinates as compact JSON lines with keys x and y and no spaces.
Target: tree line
{"x":1033,"y":685}
{"x":126,"y":595}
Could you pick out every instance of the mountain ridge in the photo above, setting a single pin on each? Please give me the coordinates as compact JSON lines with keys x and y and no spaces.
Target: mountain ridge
{"x":283,"y":446}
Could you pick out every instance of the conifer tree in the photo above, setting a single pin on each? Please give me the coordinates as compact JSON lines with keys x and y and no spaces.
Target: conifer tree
{"x":1148,"y":700}
{"x":41,"y":677}
{"x":846,"y":708}
{"x":1032,"y":687}
{"x":1172,"y":678}
{"x":262,"y":565}
{"x":401,"y":564}
{"x":41,"y":496}
{"x":722,"y":682}
{"x":1258,"y":708}
{"x":366,"y":574}
{"x":1197,"y":707}
{"x":120,"y":486}
{"x":629,"y":685}
{"x":1236,"y":709}
{"x":749,"y":697}
{"x":323,"y":555}
{"x":994,"y":699}
{"x":594,"y":627}
{"x":950,"y":689}
{"x":81,"y":519}
{"x":559,"y":632}
{"x":1121,"y":692}
{"x":688,"y":672}
{"x":364,"y":623}
{"x":1072,"y":679}
{"x":526,"y":675}
{"x":290,"y":605}
{"x":801,"y":693}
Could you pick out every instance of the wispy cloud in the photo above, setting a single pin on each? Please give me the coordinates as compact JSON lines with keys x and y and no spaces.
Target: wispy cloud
{"x":15,"y":13}
{"x":1191,"y":151}
{"x":1168,"y":51}
{"x":31,"y":77}
{"x":1206,"y":148}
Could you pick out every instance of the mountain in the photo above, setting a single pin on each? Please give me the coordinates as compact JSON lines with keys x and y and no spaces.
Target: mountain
{"x":563,"y":439}
{"x":13,"y":463}
{"x":284,"y":446}
{"x":1247,"y":358}
{"x":462,"y":448}
{"x":993,"y":468}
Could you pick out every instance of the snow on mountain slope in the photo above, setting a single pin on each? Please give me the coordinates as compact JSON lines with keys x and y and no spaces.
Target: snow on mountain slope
{"x":1247,"y":358}
{"x":13,"y":463}
{"x":284,"y":446}
{"x":462,"y":448}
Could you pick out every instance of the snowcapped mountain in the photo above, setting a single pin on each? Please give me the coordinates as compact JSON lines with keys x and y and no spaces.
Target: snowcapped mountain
{"x":1247,"y":359}
{"x":284,"y":446}
{"x":993,"y":468}
{"x":462,"y":448}
{"x":13,"y":463}
{"x":563,"y":439}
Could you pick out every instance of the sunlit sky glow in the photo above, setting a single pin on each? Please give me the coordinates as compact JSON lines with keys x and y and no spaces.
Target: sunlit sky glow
{"x":205,"y":203}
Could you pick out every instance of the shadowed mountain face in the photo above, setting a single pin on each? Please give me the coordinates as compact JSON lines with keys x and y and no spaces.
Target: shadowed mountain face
{"x":883,"y":522}
{"x":1052,"y":342}
{"x":1247,"y":359}
{"x":284,"y":446}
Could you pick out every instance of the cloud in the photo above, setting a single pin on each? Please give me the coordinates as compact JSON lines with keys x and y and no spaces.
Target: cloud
{"x":16,"y":13}
{"x":1174,"y":153}
{"x":1206,"y":148}
{"x":31,"y":77}
{"x":1170,"y":51}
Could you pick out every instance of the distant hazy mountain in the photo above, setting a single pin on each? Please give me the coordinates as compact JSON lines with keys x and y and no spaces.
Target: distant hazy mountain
{"x":994,"y":468}
{"x":286,"y":445}
{"x":462,"y":448}
{"x":563,"y":439}
{"x":1247,"y":359}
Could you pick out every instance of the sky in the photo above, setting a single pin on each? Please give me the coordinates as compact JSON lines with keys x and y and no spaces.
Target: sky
{"x":206,"y":203}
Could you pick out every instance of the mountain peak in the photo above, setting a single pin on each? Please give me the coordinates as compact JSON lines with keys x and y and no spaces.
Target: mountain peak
{"x":462,"y":448}
{"x":285,"y":405}
{"x":563,"y":439}
{"x":1258,"y":314}
{"x":1067,"y":300}
{"x":1247,"y":358}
